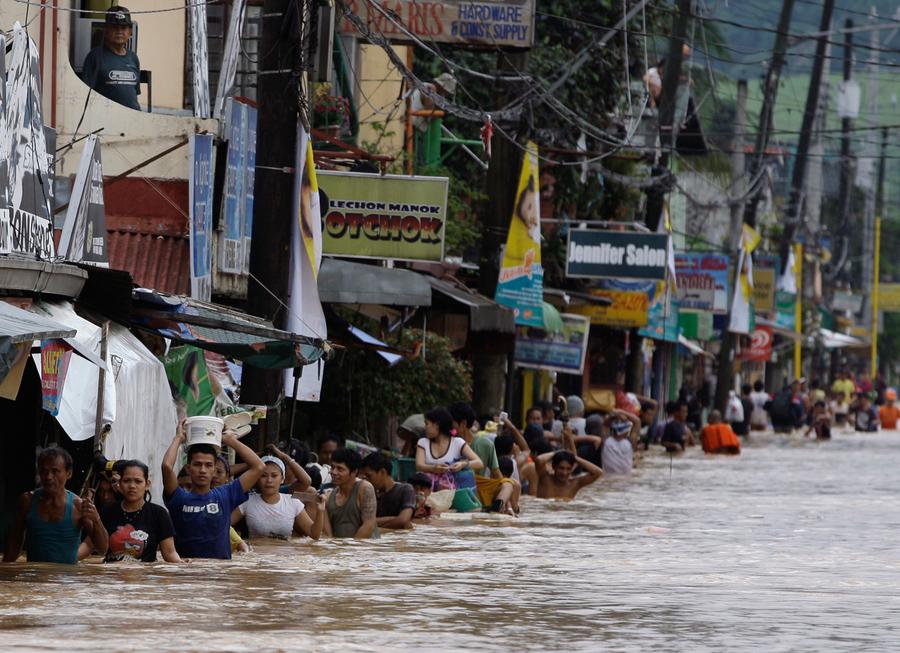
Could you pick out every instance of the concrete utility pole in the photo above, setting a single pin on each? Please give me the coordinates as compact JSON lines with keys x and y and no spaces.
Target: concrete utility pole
{"x":848,"y":168}
{"x":725,"y":369}
{"x":815,"y":183}
{"x":667,"y":100}
{"x":738,"y":163}
{"x":276,"y":141}
{"x":865,"y":176}
{"x":490,"y":368}
{"x":795,"y":199}
{"x":766,"y":113}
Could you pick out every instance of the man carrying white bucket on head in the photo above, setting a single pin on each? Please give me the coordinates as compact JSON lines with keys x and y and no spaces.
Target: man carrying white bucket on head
{"x":202,"y":515}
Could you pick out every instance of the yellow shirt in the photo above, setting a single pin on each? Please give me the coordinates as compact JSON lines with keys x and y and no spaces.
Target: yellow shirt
{"x":845,"y":387}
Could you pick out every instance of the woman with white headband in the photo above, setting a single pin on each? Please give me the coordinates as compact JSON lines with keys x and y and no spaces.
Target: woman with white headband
{"x":273,"y":514}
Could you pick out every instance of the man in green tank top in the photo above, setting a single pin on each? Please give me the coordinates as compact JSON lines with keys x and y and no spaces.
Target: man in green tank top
{"x":352,"y":505}
{"x":50,"y":520}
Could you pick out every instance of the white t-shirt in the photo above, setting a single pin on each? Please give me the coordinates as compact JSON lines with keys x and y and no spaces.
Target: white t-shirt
{"x":618,"y":456}
{"x":271,"y":519}
{"x":454,"y":451}
{"x":578,"y":425}
{"x":759,"y":418}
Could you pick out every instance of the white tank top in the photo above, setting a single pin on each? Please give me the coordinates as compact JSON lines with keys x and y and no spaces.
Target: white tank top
{"x":454,"y":451}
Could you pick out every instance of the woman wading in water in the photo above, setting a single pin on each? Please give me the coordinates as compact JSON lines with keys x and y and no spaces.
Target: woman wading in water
{"x":137,"y":528}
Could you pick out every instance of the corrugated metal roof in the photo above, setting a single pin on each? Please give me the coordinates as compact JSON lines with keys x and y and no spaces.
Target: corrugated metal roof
{"x":158,"y":262}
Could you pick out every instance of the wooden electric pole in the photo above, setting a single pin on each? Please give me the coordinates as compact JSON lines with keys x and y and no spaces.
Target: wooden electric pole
{"x":490,"y":368}
{"x":276,"y":141}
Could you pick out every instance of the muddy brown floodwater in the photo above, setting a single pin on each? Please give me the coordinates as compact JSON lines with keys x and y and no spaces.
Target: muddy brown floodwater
{"x":792,"y":546}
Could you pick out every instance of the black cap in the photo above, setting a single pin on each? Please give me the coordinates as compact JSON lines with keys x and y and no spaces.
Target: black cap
{"x":117,"y":15}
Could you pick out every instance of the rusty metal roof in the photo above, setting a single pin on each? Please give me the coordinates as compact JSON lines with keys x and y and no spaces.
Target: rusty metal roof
{"x":155,"y":261}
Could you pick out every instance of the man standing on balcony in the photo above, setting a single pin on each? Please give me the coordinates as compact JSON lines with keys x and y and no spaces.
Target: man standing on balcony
{"x":112,"y":69}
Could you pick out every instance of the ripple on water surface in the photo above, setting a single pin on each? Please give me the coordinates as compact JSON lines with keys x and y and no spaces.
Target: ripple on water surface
{"x":791,"y":546}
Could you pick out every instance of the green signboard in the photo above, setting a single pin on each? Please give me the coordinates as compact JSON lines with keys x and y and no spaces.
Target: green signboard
{"x":383,"y":216}
{"x":596,"y":254}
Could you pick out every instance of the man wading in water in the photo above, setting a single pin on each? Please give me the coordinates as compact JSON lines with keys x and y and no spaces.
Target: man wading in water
{"x":560,"y":484}
{"x":51,"y":519}
{"x":352,"y":505}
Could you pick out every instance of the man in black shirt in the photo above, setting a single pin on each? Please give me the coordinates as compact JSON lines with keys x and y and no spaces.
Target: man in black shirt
{"x":112,"y":69}
{"x":677,"y":434}
{"x":396,"y":501}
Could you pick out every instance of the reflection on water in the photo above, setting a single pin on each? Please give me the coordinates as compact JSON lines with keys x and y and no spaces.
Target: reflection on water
{"x":791,"y":546}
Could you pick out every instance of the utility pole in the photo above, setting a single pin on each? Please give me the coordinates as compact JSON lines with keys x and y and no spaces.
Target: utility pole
{"x":276,"y":141}
{"x":738,"y":162}
{"x":489,"y":368}
{"x":845,"y":186}
{"x":725,"y":369}
{"x":865,"y":175}
{"x":795,"y":199}
{"x":770,"y":93}
{"x":667,"y":100}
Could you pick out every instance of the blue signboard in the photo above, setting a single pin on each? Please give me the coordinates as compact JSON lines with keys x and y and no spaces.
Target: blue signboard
{"x":201,"y":194}
{"x":562,"y":351}
{"x":237,"y":206}
{"x":702,"y":281}
{"x":662,"y":318}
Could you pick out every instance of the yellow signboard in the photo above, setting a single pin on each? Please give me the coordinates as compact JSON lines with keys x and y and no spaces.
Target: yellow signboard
{"x":765,"y":272}
{"x":628,"y":308}
{"x":889,"y":297}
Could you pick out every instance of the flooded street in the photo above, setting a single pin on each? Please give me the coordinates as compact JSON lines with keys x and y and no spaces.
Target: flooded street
{"x":791,"y":546}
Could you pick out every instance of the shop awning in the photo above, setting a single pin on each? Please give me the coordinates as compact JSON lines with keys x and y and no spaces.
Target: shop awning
{"x":835,"y":340}
{"x":223,"y":330}
{"x":344,"y":282}
{"x":693,"y":347}
{"x":18,"y":325}
{"x":484,"y":314}
{"x":779,"y":330}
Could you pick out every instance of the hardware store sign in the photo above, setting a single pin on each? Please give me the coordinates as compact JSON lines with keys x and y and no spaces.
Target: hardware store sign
{"x":477,"y":24}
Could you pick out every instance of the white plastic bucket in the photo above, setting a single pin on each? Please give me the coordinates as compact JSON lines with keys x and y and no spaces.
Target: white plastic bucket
{"x":203,"y":430}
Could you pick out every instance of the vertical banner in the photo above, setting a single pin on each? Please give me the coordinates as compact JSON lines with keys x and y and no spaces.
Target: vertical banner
{"x":29,"y":229}
{"x":200,"y":188}
{"x":306,"y":316}
{"x":521,"y":282}
{"x":199,"y":58}
{"x":189,"y":379}
{"x":236,"y":225}
{"x":249,"y":180}
{"x":84,"y":231}
{"x":55,"y":355}
{"x":230,"y":57}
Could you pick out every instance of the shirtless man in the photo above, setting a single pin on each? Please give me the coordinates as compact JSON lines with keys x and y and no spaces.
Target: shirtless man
{"x":559,"y":483}
{"x":51,"y":519}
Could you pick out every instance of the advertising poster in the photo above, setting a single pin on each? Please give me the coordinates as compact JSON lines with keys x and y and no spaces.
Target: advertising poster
{"x":84,"y":231}
{"x":27,"y":226}
{"x":383,"y":216}
{"x":15,"y":361}
{"x":765,"y":278}
{"x":521,"y":283}
{"x":189,"y":379}
{"x":630,"y":302}
{"x":662,"y":319}
{"x":559,"y":352}
{"x":237,"y":202}
{"x":785,"y":304}
{"x":889,"y":297}
{"x":55,"y":355}
{"x":760,"y":348}
{"x":482,"y":24}
{"x":702,"y":282}
{"x":594,"y":254}
{"x":200,"y":189}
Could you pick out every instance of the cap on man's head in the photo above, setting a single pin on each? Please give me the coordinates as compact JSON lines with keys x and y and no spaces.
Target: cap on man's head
{"x":447,"y":82}
{"x":117,"y":15}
